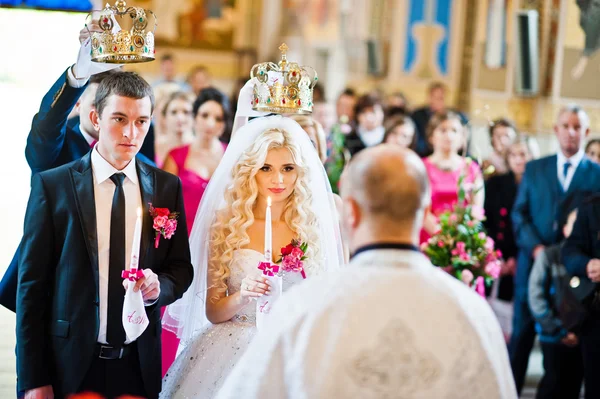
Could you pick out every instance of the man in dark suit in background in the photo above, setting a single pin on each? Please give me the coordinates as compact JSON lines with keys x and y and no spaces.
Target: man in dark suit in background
{"x":581,"y":257}
{"x":551,"y":188}
{"x":78,"y":236}
{"x":54,"y":140}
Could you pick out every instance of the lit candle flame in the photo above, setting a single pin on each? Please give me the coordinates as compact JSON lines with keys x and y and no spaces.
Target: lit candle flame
{"x":268,"y":201}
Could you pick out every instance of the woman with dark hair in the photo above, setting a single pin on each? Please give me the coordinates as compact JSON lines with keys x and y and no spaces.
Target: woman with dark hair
{"x":592,"y":150}
{"x":447,"y":135}
{"x":502,"y":134}
{"x":195,"y":163}
{"x":400,"y":130}
{"x":501,"y":192}
{"x":369,"y":129}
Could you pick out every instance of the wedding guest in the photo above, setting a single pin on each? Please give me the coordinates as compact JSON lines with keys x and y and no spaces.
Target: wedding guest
{"x":368,"y":123}
{"x":551,"y":187}
{"x":198,"y":79}
{"x":548,"y":284}
{"x":195,"y":163}
{"x":500,"y":195}
{"x":54,"y":140}
{"x":444,"y":167}
{"x":345,"y":104}
{"x":324,"y":113}
{"x":315,"y":132}
{"x":168,"y":72}
{"x":397,"y":102}
{"x":177,"y":125}
{"x":330,"y":337}
{"x":592,"y":150}
{"x":400,"y":130}
{"x":581,"y":257}
{"x":502,"y":134}
{"x":436,"y":103}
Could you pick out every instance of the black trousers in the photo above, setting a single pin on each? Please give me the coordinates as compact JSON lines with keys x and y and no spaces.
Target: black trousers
{"x":114,"y":378}
{"x":563,"y":372}
{"x":521,"y":341}
{"x":590,"y":349}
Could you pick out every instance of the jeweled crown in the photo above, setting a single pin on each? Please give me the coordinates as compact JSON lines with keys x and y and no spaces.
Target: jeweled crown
{"x":132,"y":43}
{"x":284,"y":88}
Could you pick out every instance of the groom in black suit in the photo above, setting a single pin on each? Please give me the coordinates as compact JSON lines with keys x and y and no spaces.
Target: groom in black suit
{"x":78,"y":232}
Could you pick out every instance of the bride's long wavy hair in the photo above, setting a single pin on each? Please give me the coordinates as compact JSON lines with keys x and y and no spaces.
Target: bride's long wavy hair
{"x":229,"y":231}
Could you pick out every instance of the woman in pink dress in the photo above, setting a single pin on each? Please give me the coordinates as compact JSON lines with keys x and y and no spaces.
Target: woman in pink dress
{"x":194,"y":164}
{"x":447,"y":136}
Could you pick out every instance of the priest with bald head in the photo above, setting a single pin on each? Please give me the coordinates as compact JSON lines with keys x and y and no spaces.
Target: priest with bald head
{"x":390,"y":325}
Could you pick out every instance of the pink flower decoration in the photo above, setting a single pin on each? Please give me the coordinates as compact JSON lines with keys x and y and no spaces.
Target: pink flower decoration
{"x":503,"y":212}
{"x":345,"y":128}
{"x":159,"y":222}
{"x":481,"y":235}
{"x":480,"y":286}
{"x":170,"y":228}
{"x":268,"y":268}
{"x":467,"y":277}
{"x":493,"y":269}
{"x":477,"y":212}
{"x":292,"y":265}
{"x":296,"y":253}
{"x":440,"y":244}
{"x":461,"y":246}
{"x":499,"y":253}
{"x":471,"y":223}
{"x":489,"y":244}
{"x":453,"y":218}
{"x":465,"y":257}
{"x":423,"y":246}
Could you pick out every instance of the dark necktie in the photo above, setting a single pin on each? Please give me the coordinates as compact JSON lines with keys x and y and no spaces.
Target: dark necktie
{"x":115,"y":334}
{"x":566,"y":167}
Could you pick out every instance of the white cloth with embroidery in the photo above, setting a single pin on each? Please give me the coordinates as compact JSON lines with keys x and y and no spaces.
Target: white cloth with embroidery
{"x":135,"y":320}
{"x":389,"y":326}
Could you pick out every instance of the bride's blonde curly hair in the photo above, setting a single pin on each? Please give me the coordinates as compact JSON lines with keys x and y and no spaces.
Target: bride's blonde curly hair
{"x":229,"y":231}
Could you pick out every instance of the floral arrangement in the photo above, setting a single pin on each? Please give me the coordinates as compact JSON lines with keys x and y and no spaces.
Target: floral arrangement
{"x":461,"y":246}
{"x":292,"y":257}
{"x":164,"y":223}
{"x":338,"y":154}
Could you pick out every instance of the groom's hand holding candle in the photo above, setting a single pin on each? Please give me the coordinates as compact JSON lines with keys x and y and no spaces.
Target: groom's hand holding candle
{"x":149,"y":284}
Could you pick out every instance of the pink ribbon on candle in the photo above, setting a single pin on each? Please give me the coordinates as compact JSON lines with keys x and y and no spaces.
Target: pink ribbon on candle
{"x":268,"y":269}
{"x":133,"y":274}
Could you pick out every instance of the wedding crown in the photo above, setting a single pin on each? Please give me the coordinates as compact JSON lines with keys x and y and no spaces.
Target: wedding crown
{"x":284,"y":88}
{"x":123,"y":46}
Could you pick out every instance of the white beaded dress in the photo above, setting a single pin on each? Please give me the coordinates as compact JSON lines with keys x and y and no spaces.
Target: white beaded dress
{"x":201,"y":368}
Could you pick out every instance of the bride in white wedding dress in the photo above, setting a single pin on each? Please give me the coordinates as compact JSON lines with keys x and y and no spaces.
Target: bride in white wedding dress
{"x":215,"y":320}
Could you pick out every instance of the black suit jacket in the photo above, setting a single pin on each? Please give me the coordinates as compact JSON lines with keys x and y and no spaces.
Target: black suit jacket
{"x":57,"y":297}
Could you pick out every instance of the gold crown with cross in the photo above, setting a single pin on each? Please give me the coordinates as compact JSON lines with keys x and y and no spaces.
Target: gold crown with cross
{"x":284,"y":88}
{"x":132,"y":43}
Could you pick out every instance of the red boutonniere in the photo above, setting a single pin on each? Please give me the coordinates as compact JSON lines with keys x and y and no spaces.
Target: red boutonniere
{"x":164,"y":223}
{"x":292,"y":257}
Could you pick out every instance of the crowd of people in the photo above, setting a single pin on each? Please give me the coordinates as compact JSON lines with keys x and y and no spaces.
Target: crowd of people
{"x":542,"y":214}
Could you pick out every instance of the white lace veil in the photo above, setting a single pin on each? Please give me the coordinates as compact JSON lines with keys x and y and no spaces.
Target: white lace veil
{"x":186,"y":316}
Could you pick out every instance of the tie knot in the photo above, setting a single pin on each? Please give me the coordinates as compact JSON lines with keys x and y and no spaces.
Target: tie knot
{"x":118,"y":179}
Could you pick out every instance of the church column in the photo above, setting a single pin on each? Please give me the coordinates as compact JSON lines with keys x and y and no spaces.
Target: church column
{"x":466,"y":78}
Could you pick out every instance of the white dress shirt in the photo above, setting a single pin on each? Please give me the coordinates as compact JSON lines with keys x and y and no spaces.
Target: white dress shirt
{"x":73,"y":81}
{"x":575,"y":160}
{"x":104,"y":190}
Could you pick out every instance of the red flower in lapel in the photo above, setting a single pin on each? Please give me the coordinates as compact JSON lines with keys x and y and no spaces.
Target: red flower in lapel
{"x":164,"y":223}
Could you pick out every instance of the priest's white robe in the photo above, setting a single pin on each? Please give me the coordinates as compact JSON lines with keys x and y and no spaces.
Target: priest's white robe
{"x":390,"y":325}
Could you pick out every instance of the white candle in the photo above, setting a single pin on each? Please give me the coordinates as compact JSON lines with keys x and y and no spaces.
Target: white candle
{"x":135,"y":246}
{"x":268,"y":233}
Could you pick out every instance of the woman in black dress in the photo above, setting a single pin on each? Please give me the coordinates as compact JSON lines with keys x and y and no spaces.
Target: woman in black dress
{"x":500,"y":194}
